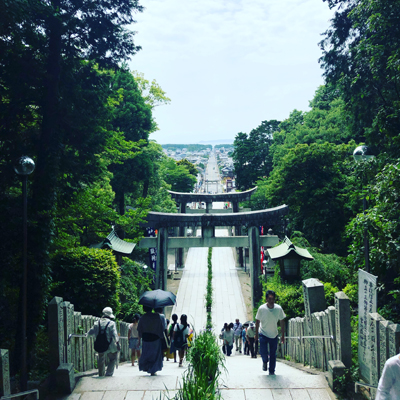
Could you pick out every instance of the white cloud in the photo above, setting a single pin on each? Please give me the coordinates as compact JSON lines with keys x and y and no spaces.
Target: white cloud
{"x":228,"y":65}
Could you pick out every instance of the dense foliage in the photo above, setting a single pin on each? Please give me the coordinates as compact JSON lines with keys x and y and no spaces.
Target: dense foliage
{"x":69,"y":102}
{"x":251,"y":157}
{"x":313,"y":170}
{"x":87,"y":278}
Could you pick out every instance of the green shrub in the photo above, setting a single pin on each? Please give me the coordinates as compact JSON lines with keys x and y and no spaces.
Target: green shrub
{"x":325,"y":267}
{"x":330,"y":291}
{"x":288,"y":295}
{"x":133,"y":283}
{"x":200,"y":382}
{"x":88,"y":278}
{"x":206,"y":356}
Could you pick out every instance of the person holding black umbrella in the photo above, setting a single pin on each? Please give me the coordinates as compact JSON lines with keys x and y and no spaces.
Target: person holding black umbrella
{"x":151,"y":331}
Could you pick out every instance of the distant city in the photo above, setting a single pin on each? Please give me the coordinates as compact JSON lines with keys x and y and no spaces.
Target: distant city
{"x":198,"y":155}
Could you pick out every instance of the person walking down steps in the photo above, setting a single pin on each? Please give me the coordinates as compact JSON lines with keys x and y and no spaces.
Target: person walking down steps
{"x":228,"y":338}
{"x":134,"y":340}
{"x":237,"y":331}
{"x":107,"y":341}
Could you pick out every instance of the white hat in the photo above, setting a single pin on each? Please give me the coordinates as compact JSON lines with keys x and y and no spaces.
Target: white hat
{"x":108,"y":312}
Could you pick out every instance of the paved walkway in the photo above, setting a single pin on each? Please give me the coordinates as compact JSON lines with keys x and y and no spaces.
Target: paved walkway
{"x":244,"y":378}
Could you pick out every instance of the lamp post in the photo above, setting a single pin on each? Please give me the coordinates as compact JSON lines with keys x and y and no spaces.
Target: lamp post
{"x":363,"y":154}
{"x":24,"y":167}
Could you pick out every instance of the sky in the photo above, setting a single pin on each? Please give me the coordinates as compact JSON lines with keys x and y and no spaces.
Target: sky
{"x":227,"y":65}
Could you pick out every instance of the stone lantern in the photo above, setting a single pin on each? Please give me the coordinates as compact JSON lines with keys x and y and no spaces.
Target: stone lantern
{"x":290,"y":256}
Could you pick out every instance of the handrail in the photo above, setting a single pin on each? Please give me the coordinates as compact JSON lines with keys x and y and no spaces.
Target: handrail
{"x":367,"y":385}
{"x":71,"y":335}
{"x":310,"y":337}
{"x":11,"y":396}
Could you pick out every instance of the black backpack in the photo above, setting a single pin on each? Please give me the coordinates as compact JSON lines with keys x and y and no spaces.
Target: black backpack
{"x":178,"y":339}
{"x":101,"y":343}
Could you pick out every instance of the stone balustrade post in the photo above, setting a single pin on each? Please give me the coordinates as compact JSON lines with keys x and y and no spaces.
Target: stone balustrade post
{"x":255,"y":265}
{"x":383,"y":343}
{"x":394,"y":339}
{"x":56,"y":333}
{"x":374,"y":341}
{"x":5,"y":387}
{"x":343,"y":328}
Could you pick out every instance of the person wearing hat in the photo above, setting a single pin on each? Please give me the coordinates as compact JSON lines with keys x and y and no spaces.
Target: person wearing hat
{"x":250,"y":334}
{"x":106,"y":323}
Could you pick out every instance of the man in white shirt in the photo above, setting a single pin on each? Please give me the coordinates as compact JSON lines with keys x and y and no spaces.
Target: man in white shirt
{"x":267,"y":319}
{"x":389,"y":384}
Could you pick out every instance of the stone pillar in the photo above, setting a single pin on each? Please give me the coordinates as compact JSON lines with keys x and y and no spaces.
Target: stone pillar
{"x":208,"y":207}
{"x":336,"y":369}
{"x":68,"y":311}
{"x":394,"y":339}
{"x":343,"y":328}
{"x":4,"y":373}
{"x":314,"y":300}
{"x":332,"y":328}
{"x":327,"y":332}
{"x":181,"y":232}
{"x":383,"y":343}
{"x":78,"y":342}
{"x":314,"y":296}
{"x":373,"y":338}
{"x":255,"y":268}
{"x":235,"y":209}
{"x":162,"y":259}
{"x":56,"y":333}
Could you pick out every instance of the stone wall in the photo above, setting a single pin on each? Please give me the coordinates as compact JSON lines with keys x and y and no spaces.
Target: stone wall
{"x":63,"y":321}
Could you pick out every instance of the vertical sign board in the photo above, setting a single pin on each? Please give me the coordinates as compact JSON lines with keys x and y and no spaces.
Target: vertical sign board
{"x":366,"y":305}
{"x":151,"y":232}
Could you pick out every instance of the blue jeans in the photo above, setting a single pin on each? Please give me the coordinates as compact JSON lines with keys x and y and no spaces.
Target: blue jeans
{"x":228,"y":349}
{"x":268,"y":356}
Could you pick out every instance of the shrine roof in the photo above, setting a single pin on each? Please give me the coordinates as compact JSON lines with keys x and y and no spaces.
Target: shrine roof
{"x":287,"y":249}
{"x":113,"y":242}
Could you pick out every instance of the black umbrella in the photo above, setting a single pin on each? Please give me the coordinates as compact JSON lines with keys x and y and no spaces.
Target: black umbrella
{"x":157,"y":298}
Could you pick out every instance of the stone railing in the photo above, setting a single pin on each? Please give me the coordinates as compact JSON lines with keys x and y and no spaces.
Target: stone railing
{"x":68,"y":353}
{"x":381,"y":343}
{"x":321,"y":339}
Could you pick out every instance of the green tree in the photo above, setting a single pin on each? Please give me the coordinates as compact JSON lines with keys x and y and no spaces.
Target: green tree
{"x":382,"y":224}
{"x":133,"y":119}
{"x":251,"y":155}
{"x":311,"y":179}
{"x":360,"y":57}
{"x":327,"y":121}
{"x":189,"y":166}
{"x":54,"y":106}
{"x":177,"y":176}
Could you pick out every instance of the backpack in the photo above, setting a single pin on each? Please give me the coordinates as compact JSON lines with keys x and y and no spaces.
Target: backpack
{"x":178,"y":339}
{"x":101,"y":343}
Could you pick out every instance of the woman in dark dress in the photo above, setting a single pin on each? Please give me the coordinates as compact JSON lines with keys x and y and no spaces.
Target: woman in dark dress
{"x":151,"y":331}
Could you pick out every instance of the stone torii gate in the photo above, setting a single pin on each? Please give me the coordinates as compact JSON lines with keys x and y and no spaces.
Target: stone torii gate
{"x":208,"y":222}
{"x":235,"y":197}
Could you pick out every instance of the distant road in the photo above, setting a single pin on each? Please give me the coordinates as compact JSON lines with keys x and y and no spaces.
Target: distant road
{"x":212,"y":174}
